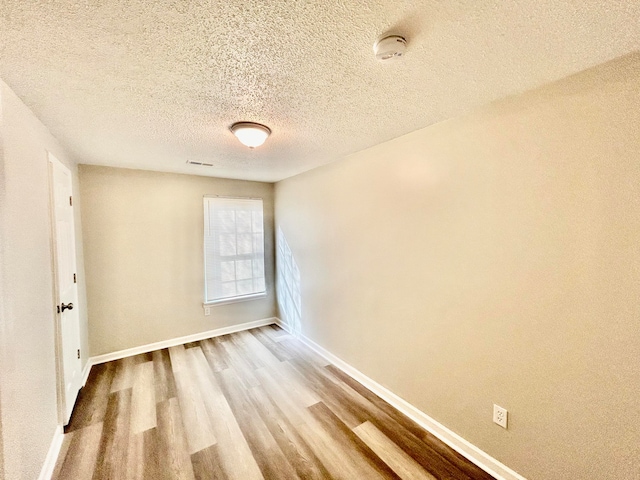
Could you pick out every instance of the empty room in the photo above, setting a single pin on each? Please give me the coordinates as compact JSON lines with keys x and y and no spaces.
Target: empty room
{"x":320,"y":240}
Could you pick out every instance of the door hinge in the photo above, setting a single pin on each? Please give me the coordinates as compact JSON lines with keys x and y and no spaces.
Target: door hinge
{"x":74,"y":278}
{"x":78,"y":354}
{"x":71,"y":201}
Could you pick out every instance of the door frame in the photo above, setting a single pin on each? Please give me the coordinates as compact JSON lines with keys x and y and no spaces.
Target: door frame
{"x":59,"y":360}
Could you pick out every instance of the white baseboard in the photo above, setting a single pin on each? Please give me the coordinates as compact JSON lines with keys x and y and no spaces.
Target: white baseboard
{"x":58,"y":437}
{"x":52,"y":455}
{"x":455,"y":441}
{"x":150,"y":347}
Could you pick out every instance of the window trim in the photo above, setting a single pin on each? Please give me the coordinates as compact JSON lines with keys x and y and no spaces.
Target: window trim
{"x":239,"y":298}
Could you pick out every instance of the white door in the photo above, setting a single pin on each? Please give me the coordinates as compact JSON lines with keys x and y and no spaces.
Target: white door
{"x":66,"y":287}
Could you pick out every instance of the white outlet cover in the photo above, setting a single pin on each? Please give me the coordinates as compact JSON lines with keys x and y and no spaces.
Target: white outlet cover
{"x":207,"y":310}
{"x":500,"y":415}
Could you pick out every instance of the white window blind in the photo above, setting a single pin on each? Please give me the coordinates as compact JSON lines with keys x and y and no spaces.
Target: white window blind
{"x":233,"y":248}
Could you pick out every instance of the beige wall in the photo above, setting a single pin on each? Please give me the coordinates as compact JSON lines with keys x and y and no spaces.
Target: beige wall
{"x":28,"y":402}
{"x":143,"y":235}
{"x":493,"y":258}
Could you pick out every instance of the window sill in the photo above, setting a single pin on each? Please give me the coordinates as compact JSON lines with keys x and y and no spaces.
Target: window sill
{"x":244,"y":298}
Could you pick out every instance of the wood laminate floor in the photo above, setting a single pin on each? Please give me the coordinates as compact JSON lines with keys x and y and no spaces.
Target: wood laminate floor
{"x":251,"y":405}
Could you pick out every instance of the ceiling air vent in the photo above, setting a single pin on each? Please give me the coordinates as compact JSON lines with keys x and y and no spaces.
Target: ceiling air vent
{"x":202,"y":164}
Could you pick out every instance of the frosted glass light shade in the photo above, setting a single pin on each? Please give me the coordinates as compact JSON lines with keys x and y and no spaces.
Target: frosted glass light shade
{"x":250,"y":134}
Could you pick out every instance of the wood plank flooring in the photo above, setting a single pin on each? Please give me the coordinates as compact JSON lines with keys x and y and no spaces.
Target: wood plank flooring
{"x":251,"y":405}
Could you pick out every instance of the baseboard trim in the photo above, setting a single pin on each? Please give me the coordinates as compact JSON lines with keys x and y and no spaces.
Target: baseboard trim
{"x":173,"y":342}
{"x":455,"y":441}
{"x":52,"y":455}
{"x":56,"y":443}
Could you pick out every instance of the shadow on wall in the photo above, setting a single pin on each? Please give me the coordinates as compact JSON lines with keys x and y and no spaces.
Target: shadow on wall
{"x":288,"y":285}
{"x":1,"y":449}
{"x":2,"y":303}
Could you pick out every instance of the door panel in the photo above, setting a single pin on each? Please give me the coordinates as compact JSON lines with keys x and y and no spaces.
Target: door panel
{"x":66,"y":287}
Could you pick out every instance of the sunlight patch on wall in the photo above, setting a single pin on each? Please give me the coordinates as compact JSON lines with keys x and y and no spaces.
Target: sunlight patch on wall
{"x":288,"y":285}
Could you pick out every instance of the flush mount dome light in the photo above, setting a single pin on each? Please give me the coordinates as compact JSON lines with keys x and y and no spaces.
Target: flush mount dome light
{"x":250,"y":134}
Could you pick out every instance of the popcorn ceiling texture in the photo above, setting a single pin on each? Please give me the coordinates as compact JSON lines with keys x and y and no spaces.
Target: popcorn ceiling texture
{"x":152,"y":84}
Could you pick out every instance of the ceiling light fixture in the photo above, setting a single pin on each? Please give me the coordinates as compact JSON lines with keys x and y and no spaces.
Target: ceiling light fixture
{"x":250,"y":134}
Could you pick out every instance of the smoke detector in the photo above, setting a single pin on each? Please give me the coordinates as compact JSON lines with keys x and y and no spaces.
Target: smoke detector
{"x":389,"y":48}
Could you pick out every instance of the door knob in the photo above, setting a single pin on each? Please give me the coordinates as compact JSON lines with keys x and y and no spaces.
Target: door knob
{"x":64,"y":307}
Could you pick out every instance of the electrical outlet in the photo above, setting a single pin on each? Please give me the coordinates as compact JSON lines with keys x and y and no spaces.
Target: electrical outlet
{"x":207,"y":310}
{"x":500,"y":415}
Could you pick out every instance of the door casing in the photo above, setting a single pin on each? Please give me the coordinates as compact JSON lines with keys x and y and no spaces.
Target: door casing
{"x":67,"y":334}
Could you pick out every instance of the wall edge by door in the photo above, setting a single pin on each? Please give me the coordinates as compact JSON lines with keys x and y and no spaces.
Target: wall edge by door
{"x":60,"y":397}
{"x":52,"y":455}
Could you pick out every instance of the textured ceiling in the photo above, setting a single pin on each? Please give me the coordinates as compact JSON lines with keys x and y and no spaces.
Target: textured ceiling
{"x":152,"y":84}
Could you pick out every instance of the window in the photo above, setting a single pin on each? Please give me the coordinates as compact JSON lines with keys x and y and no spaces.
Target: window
{"x":233,"y":249}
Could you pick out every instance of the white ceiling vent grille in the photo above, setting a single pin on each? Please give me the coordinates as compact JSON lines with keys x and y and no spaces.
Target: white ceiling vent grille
{"x":202,"y":164}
